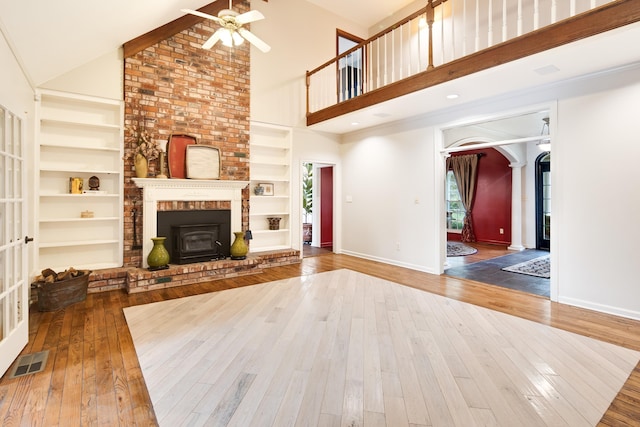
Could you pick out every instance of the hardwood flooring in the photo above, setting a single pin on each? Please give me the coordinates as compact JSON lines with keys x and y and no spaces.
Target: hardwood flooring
{"x":93,"y":376}
{"x":359,"y":350}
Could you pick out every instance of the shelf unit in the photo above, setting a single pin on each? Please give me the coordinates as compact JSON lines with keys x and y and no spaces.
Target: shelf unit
{"x":271,"y":164}
{"x":79,"y":136}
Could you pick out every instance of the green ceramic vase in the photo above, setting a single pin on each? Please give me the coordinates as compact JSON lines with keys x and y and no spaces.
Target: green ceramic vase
{"x":239,"y":248}
{"x":159,"y":256}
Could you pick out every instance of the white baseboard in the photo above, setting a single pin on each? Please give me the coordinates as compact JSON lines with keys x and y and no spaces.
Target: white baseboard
{"x":390,"y":261}
{"x":616,"y":311}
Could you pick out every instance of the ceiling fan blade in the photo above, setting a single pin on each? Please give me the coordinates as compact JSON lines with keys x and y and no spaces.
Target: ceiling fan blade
{"x":213,"y":39}
{"x":254,"y":40}
{"x":202,"y":15}
{"x":251,"y":16}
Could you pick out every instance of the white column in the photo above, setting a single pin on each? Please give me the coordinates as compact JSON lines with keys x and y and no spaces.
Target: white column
{"x":516,"y":206}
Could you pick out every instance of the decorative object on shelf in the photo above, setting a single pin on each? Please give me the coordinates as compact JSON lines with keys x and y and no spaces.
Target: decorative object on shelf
{"x":141,"y":165}
{"x":162,"y":165}
{"x":177,"y":153}
{"x":75,"y":185}
{"x":158,"y":258}
{"x":94,"y":183}
{"x":202,"y":162}
{"x":144,"y":147}
{"x":258,"y":190}
{"x":59,"y":290}
{"x":86,"y":214}
{"x":274,"y":223}
{"x":268,"y":188}
{"x":239,"y":247}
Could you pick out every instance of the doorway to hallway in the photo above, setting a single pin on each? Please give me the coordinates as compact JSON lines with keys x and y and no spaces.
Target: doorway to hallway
{"x":317,"y":208}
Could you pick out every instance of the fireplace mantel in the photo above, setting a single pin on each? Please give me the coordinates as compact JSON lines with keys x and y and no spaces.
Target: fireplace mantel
{"x":157,"y":190}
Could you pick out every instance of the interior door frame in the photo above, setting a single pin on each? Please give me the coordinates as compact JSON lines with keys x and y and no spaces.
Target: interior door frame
{"x":315,"y":215}
{"x":14,"y":283}
{"x":439,"y":171}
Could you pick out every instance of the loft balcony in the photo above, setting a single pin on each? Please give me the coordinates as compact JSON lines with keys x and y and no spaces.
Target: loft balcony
{"x":451,"y":39}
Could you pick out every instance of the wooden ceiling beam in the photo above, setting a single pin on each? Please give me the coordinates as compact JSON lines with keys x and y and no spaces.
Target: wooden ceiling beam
{"x":167,"y":30}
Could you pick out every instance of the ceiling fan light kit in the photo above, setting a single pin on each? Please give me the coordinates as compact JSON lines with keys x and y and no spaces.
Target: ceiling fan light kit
{"x":232,"y":33}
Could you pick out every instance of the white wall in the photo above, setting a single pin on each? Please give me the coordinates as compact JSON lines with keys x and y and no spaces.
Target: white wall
{"x":315,"y":147}
{"x":16,"y":93}
{"x":302,"y":36}
{"x":103,"y":77}
{"x":595,"y":162}
{"x":388,"y":195}
{"x":594,"y":177}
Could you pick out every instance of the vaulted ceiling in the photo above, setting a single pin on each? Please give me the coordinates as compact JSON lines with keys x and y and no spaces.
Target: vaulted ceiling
{"x":50,"y":38}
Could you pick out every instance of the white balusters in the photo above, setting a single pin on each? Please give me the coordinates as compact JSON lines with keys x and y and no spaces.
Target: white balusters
{"x":477,"y":44}
{"x":456,"y":32}
{"x":504,"y":20}
{"x":490,"y":27}
{"x":519,"y":32}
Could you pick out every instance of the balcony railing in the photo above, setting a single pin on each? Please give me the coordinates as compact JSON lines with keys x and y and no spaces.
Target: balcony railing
{"x":442,"y":32}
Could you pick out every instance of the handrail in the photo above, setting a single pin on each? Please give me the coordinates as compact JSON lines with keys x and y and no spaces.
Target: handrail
{"x":407,"y":48}
{"x":370,"y":39}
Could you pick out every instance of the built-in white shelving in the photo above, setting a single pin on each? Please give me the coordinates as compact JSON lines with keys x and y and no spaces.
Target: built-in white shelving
{"x":270,"y":164}
{"x":79,"y":136}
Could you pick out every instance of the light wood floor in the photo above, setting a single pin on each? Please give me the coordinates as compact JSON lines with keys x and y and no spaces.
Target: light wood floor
{"x":93,"y":376}
{"x":345,"y":348}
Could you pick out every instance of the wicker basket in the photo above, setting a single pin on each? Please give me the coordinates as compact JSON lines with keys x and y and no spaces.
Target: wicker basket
{"x":57,"y":295}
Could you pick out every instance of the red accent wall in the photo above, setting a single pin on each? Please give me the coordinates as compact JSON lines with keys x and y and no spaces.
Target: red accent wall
{"x":326,"y":207}
{"x":492,"y":204}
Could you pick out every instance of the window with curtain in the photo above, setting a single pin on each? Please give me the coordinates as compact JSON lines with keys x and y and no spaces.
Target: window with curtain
{"x":455,"y":208}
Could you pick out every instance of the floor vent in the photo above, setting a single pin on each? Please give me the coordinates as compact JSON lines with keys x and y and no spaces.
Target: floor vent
{"x":30,"y":364}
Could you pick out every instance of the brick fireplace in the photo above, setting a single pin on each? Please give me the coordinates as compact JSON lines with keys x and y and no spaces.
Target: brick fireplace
{"x":157,"y":191}
{"x":176,"y":87}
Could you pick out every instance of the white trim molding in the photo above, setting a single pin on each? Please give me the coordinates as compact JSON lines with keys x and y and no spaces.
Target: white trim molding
{"x":155,"y":190}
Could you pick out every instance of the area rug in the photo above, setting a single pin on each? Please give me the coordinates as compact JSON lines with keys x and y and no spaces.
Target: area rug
{"x":539,"y":267}
{"x":345,"y":348}
{"x":459,"y":249}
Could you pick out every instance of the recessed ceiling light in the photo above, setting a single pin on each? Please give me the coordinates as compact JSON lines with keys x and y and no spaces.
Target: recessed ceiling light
{"x":452,"y":96}
{"x":355,"y":123}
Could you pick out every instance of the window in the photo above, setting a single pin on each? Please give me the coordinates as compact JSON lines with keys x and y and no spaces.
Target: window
{"x":349,"y":67}
{"x":455,"y":209}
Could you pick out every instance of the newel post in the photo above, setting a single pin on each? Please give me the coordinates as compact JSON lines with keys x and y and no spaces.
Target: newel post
{"x":430,"y":20}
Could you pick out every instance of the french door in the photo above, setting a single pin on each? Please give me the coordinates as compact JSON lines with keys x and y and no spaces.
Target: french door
{"x":14,"y":287}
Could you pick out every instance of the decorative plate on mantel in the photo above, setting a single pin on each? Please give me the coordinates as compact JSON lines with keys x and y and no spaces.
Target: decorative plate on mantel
{"x":177,"y":153}
{"x":203,"y":162}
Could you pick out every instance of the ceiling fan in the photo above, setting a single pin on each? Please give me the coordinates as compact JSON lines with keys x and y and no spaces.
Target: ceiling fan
{"x":232,"y":33}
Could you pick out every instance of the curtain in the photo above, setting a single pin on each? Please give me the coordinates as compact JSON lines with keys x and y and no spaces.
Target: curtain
{"x":465,"y":170}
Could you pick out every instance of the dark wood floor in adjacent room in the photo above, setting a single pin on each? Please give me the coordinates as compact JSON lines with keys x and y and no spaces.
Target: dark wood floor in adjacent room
{"x":93,"y":377}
